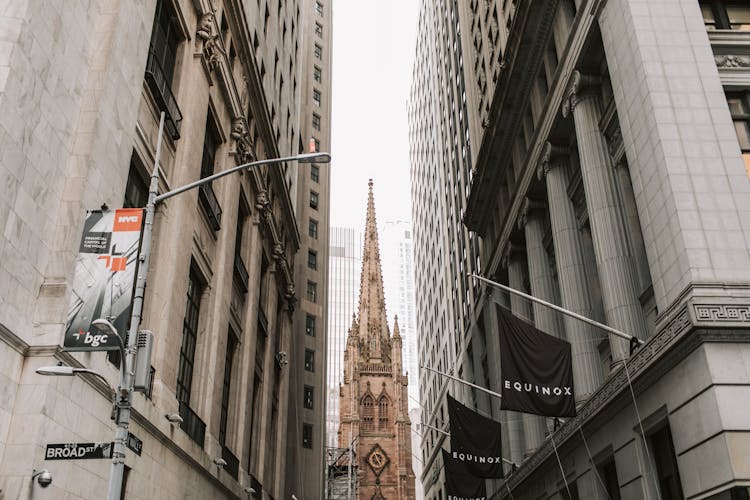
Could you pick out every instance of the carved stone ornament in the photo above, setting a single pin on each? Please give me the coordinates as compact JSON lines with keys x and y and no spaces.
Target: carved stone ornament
{"x":527,"y":208}
{"x":552,"y":156}
{"x":731,"y":61}
{"x":579,"y":88}
{"x":212,"y":48}
{"x":261,"y":200}
{"x":278,"y":251}
{"x":243,"y":143}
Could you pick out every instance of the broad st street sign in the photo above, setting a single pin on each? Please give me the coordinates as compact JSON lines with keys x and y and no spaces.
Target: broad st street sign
{"x":78,"y":451}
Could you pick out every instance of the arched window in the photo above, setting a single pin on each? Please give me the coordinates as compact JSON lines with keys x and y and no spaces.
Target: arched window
{"x":368,"y":414}
{"x":383,"y":413}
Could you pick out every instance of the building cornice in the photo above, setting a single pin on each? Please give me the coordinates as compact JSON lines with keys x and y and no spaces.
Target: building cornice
{"x":529,"y":36}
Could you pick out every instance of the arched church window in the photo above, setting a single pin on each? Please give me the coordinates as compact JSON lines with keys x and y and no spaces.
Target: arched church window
{"x":383,"y":413}
{"x":368,"y":413}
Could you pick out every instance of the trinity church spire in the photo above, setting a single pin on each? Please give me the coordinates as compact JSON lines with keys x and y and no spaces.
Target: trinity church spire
{"x":373,"y":325}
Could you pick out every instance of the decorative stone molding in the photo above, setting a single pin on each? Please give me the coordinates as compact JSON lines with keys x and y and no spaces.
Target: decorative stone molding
{"x":580,"y":87}
{"x":732,"y":61}
{"x":511,"y":250}
{"x":722,"y":313}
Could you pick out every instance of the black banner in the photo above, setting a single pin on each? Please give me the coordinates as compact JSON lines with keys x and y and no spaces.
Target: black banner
{"x":475,"y":440}
{"x":459,"y":483}
{"x":536,"y":369}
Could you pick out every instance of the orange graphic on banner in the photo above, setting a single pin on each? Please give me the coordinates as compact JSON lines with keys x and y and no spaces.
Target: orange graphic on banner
{"x":114,"y":263}
{"x":127,"y":219}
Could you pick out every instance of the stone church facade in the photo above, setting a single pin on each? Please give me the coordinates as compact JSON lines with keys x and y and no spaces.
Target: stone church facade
{"x":374,"y":403}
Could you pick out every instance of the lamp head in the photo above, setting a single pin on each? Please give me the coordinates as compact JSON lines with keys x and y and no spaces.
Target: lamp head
{"x":104,"y":326}
{"x":56,"y":371}
{"x":318,"y":157}
{"x":220,"y":462}
{"x":174,"y":418}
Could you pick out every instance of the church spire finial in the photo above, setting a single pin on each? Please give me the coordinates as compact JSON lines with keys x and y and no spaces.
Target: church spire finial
{"x":372,"y":318}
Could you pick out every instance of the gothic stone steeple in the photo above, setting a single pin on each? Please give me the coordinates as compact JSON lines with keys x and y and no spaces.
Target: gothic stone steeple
{"x":374,"y":405}
{"x":374,"y":333}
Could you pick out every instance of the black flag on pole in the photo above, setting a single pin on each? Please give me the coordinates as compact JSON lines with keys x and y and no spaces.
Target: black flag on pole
{"x":536,"y":369}
{"x":459,"y":483}
{"x":475,"y":440}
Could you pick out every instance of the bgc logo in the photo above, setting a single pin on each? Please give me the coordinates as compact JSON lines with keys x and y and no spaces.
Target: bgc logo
{"x":99,"y":342}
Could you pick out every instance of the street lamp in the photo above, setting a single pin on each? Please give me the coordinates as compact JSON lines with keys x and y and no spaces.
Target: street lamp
{"x":124,"y":402}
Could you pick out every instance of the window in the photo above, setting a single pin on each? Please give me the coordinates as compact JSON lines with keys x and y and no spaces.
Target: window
{"x":740,"y":109}
{"x":313,"y":200}
{"x":319,"y":8}
{"x":726,"y":15}
{"x":206,"y":195}
{"x":161,"y":63}
{"x":318,"y":51}
{"x":316,"y":144}
{"x":310,"y":325}
{"x":316,"y":121}
{"x":312,"y":291}
{"x":136,"y":190}
{"x":608,"y":474}
{"x":308,"y":397}
{"x":189,"y":337}
{"x":383,"y":413}
{"x":312,"y":259}
{"x":315,"y":172}
{"x":312,"y":229}
{"x":316,"y":97}
{"x":666,"y":464}
{"x":319,"y":29}
{"x":226,"y":385}
{"x":307,"y":436}
{"x":318,"y":74}
{"x":309,"y":360}
{"x":368,"y":413}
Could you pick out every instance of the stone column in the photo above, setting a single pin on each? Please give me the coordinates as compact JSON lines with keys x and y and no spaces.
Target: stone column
{"x":543,"y":287}
{"x":620,"y":295}
{"x":571,"y":273}
{"x":519,"y":307}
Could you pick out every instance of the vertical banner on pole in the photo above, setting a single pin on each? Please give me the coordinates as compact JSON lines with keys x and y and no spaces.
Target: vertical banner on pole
{"x":460,"y":483}
{"x":536,"y":369}
{"x":475,"y":440}
{"x":103,"y":277}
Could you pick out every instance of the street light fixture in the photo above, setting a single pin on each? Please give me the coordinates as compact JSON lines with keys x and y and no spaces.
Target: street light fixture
{"x":127,"y":365}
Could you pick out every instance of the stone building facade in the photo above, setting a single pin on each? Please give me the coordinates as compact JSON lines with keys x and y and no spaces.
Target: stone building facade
{"x":609,"y":145}
{"x":374,"y":408}
{"x":82,"y":86}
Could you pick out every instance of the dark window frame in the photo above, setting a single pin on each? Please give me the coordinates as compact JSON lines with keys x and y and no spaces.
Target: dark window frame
{"x":310,"y":321}
{"x":308,"y":397}
{"x":307,"y":436}
{"x":310,"y":360}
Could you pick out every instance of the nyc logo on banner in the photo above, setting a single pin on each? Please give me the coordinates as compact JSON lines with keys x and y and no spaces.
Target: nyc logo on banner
{"x":103,"y":279}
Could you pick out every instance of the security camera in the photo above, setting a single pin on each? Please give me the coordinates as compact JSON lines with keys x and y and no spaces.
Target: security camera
{"x":43,"y":477}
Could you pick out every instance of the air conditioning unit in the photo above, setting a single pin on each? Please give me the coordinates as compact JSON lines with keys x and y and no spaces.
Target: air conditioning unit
{"x":142,"y":372}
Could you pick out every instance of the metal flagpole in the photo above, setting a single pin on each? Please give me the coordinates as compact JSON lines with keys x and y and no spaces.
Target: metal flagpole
{"x":125,"y":397}
{"x":491,"y":393}
{"x":570,"y":313}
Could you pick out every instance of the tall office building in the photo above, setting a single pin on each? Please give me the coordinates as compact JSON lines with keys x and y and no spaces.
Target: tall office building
{"x":396,"y":251}
{"x":444,"y":250}
{"x":344,"y":264}
{"x":82,"y":87}
{"x":610,"y":147}
{"x":307,"y":393}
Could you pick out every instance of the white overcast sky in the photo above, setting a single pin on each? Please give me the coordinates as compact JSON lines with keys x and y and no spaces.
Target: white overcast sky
{"x":373,"y":49}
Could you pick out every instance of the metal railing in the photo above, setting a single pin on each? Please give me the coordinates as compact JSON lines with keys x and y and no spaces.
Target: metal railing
{"x":210,"y":205}
{"x":192,"y":424}
{"x":240,"y":275}
{"x":161,"y":89}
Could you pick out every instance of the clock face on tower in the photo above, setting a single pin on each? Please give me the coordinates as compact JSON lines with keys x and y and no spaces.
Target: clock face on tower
{"x":377,"y":459}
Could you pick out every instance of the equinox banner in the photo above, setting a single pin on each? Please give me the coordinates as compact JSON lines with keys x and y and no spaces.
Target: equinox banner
{"x":475,"y":440}
{"x":459,"y":483}
{"x":536,"y":369}
{"x":103,"y":278}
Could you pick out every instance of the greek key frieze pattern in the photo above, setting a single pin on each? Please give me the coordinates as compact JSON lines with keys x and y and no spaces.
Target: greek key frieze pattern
{"x":722,"y":312}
